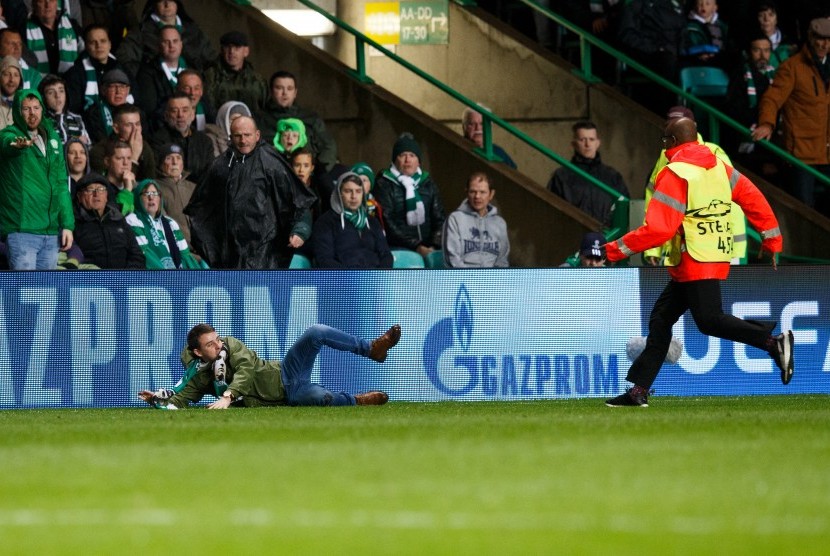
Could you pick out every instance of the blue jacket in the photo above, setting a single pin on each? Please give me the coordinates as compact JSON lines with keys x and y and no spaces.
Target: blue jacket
{"x":338,"y":244}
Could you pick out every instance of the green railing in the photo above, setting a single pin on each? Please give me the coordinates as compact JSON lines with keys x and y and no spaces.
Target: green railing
{"x":716,"y":117}
{"x":619,"y":224}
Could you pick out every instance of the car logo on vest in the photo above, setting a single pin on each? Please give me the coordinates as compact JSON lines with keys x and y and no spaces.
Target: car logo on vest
{"x":716,"y":208}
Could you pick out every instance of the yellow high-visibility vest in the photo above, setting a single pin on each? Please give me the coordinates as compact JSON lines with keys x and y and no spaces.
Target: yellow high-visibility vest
{"x":738,"y":218}
{"x":707,"y":225}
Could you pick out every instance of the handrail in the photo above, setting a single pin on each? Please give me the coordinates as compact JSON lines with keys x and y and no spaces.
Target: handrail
{"x":586,"y":40}
{"x":619,"y":223}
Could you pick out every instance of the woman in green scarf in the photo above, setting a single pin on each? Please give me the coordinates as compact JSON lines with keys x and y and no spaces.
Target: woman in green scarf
{"x":158,"y":235}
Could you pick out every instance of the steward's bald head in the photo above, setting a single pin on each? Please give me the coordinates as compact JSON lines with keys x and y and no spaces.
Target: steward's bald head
{"x":684,"y":130}
{"x":244,"y":134}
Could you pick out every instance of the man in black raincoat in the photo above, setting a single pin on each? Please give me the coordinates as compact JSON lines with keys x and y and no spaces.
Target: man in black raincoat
{"x":250,"y":211}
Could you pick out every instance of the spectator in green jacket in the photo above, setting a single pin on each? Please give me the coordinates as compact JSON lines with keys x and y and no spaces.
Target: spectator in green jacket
{"x":36,"y":217}
{"x":233,"y":77}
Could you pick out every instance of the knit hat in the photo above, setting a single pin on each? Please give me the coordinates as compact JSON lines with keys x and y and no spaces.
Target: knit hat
{"x":593,"y":245}
{"x":170,"y":148}
{"x":363,"y":169}
{"x":406,"y":143}
{"x":165,"y":150}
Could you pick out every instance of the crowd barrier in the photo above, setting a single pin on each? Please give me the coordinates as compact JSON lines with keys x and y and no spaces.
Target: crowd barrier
{"x":93,"y":339}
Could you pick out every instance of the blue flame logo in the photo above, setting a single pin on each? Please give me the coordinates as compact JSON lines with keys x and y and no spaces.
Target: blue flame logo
{"x":443,"y":335}
{"x":463,"y":318}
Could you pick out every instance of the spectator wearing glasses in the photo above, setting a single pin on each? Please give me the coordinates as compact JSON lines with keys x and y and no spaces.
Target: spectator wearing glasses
{"x":102,"y":232}
{"x":159,"y":236}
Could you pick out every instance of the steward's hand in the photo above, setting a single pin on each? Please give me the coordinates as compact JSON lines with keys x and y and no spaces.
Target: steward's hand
{"x":773,"y":256}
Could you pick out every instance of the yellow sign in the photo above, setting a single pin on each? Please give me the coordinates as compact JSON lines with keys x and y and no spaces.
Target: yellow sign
{"x":383,"y":22}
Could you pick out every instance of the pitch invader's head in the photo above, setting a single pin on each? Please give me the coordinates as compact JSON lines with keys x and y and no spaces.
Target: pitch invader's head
{"x":204,"y":342}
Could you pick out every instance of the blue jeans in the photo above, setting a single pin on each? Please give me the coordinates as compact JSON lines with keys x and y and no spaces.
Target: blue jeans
{"x":298,"y":362}
{"x":32,"y":251}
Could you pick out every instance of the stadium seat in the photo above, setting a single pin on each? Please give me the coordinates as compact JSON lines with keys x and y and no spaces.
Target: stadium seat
{"x":299,"y":261}
{"x":404,"y":258}
{"x":704,"y":81}
{"x":435,"y":259}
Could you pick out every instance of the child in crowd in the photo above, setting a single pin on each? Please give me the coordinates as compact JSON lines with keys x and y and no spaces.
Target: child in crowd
{"x":11,"y":79}
{"x":68,"y":124}
{"x":705,"y":36}
{"x":367,"y":176}
{"x":302,"y":161}
{"x":291,"y":135}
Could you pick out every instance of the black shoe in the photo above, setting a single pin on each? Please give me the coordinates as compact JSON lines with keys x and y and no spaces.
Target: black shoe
{"x":782,"y":353}
{"x":636,"y":396}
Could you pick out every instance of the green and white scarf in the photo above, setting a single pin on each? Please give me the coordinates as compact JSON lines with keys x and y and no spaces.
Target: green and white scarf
{"x":161,"y":24}
{"x":359,"y":218}
{"x":106,"y":116}
{"x":201,"y":120}
{"x":69,"y":44}
{"x":751,"y":92}
{"x":173,"y":74}
{"x":415,"y":211}
{"x":27,"y":83}
{"x":91,"y":91}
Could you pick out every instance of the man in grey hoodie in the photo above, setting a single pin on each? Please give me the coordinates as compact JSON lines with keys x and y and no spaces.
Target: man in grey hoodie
{"x":475,"y":235}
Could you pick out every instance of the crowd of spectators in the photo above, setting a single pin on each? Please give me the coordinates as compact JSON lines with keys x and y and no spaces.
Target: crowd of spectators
{"x":775,"y":55}
{"x":215,"y":166}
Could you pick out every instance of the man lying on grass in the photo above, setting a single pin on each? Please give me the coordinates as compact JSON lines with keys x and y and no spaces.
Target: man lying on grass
{"x":227,"y":369}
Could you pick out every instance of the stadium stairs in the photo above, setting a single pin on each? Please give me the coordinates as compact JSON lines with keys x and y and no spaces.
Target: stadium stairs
{"x":487,"y":61}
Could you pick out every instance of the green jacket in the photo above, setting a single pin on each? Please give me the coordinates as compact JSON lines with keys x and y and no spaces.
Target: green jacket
{"x":223,"y":84}
{"x":33,"y":186}
{"x":257,"y":381}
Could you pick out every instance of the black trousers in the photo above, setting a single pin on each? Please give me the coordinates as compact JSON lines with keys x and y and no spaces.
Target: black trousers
{"x":703,"y":299}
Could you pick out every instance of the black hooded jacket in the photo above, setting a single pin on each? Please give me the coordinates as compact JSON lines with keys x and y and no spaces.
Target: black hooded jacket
{"x":245,"y":209}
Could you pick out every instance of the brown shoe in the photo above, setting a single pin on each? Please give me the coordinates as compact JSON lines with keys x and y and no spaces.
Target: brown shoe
{"x":384,"y":343}
{"x":372,"y":398}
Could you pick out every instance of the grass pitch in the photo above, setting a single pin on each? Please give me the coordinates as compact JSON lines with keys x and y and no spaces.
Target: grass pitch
{"x":684,"y":476}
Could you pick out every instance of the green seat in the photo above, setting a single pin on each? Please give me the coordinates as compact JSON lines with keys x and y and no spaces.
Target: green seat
{"x":299,"y":261}
{"x":704,"y":81}
{"x":435,"y":259}
{"x":404,"y":258}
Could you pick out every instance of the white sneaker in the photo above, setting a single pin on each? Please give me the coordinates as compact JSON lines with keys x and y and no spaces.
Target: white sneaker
{"x":782,"y":354}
